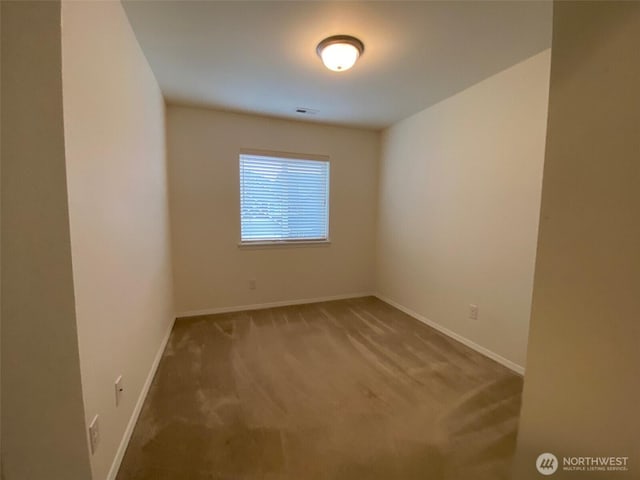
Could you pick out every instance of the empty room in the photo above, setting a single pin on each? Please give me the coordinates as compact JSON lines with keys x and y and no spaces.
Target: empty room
{"x":324,"y":240}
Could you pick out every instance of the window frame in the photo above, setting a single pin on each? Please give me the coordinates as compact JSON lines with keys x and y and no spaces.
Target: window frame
{"x":289,"y":242}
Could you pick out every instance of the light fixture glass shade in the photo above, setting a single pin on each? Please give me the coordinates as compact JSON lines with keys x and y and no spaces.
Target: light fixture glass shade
{"x":339,"y":56}
{"x":339,"y":53}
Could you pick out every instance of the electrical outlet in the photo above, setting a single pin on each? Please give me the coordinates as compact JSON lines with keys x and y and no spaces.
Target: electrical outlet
{"x":252,"y":284}
{"x":119,"y":390}
{"x":94,"y":434}
{"x":473,"y":311}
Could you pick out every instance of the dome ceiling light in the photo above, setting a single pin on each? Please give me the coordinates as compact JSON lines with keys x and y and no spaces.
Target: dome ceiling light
{"x":340,"y":52}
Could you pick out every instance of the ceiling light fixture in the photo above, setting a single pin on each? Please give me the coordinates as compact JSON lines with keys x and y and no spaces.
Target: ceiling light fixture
{"x":340,"y":52}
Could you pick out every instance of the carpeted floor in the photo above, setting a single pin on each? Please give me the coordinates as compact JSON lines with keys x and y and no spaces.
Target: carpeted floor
{"x":352,"y":389}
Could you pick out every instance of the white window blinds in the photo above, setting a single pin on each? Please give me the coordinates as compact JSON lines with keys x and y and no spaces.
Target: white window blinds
{"x":283,"y":199}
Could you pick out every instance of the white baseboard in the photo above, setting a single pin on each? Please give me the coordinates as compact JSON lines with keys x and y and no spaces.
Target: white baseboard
{"x":115,"y":465}
{"x":519,"y":369}
{"x":259,"y":306}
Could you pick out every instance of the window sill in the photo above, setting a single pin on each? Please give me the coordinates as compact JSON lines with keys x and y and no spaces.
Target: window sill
{"x":284,"y":244}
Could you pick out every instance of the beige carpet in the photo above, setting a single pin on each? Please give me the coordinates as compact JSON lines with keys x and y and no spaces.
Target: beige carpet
{"x":352,"y":389}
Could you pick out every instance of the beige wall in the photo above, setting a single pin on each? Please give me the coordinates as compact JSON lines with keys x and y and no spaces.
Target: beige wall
{"x":43,"y":430}
{"x":458,"y":207}
{"x":116,"y":171}
{"x":210,"y":270}
{"x":582,"y":388}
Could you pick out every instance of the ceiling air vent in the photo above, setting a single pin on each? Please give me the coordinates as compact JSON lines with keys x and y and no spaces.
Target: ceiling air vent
{"x":306,"y":111}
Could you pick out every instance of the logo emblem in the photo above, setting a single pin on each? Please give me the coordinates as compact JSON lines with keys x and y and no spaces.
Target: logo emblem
{"x":547,"y":464}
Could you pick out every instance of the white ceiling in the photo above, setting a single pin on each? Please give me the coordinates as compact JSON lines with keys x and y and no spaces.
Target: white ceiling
{"x":259,"y":56}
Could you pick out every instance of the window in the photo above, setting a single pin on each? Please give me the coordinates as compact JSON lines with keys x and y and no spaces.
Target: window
{"x":284,"y":198}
